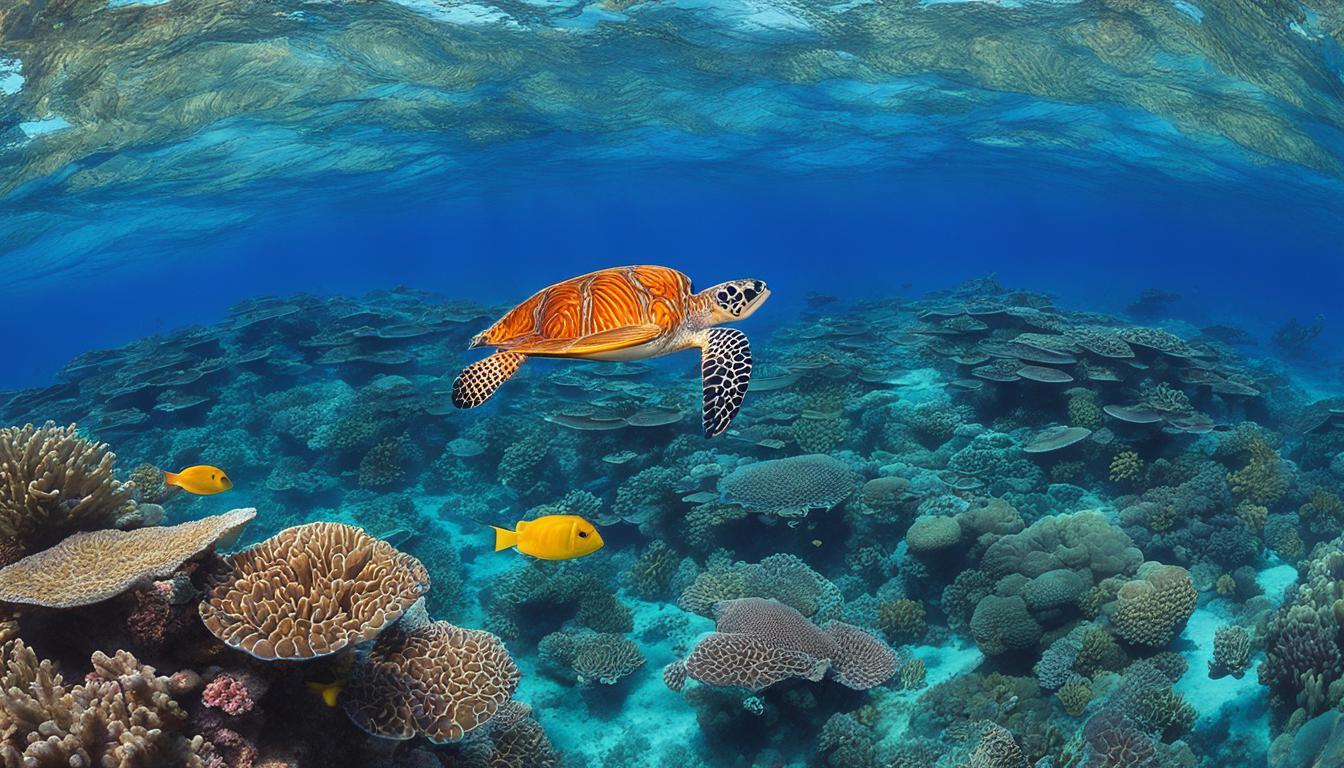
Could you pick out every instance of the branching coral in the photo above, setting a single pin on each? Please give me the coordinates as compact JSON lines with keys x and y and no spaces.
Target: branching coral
{"x":1126,"y":467}
{"x":52,"y":483}
{"x":122,"y":716}
{"x":1263,"y":479}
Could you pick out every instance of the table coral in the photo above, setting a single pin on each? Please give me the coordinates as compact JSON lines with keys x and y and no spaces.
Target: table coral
{"x":790,"y":487}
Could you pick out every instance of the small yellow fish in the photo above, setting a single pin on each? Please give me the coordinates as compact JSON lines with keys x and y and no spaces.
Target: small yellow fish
{"x":330,"y":692}
{"x":202,"y":480}
{"x":552,"y":537}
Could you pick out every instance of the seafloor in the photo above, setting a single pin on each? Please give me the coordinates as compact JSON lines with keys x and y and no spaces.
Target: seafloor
{"x":973,"y":530}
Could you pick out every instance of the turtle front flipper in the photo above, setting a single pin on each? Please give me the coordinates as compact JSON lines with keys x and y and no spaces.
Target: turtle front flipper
{"x":725,"y":371}
{"x":478,"y":381}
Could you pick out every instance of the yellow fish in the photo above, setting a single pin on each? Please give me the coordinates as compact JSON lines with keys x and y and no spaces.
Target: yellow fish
{"x":330,"y":692}
{"x":552,"y":537}
{"x":202,"y":480}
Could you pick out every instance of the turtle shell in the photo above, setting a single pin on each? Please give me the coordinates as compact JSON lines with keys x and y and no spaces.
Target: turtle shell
{"x":592,"y":303}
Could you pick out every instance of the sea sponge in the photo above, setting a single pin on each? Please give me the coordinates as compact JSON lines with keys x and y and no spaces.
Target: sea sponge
{"x":602,"y":657}
{"x":435,"y":680}
{"x":1002,"y":624}
{"x":1231,"y":652}
{"x":122,"y":716}
{"x":52,"y":483}
{"x":310,"y":591}
{"x":1153,"y":608}
{"x":901,"y":620}
{"x":94,"y":566}
{"x":790,"y":487}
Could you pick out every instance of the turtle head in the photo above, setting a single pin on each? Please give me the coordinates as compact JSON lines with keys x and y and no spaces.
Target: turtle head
{"x":735,"y":299}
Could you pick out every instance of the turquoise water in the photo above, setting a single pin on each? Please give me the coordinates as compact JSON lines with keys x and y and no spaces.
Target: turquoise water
{"x":1041,"y":462}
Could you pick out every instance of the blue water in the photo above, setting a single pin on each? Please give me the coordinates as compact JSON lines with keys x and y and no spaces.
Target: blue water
{"x":919,"y":183}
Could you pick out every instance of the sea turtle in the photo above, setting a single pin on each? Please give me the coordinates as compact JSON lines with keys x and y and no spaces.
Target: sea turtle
{"x":625,"y":313}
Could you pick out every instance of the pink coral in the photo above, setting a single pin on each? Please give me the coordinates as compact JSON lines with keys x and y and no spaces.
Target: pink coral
{"x":228,"y":694}
{"x":231,"y":750}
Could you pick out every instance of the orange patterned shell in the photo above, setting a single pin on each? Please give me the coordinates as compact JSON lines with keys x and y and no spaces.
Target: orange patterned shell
{"x":598,"y":301}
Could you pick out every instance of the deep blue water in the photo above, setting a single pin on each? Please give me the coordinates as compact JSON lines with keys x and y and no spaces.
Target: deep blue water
{"x":1236,"y":256}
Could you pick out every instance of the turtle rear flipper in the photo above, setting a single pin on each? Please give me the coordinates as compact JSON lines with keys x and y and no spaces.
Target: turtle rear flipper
{"x":725,"y":371}
{"x":478,"y":381}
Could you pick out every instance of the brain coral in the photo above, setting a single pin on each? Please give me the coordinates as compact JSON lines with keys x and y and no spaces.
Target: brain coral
{"x":760,"y":642}
{"x":790,"y":487}
{"x":930,"y":534}
{"x":94,"y":566}
{"x":436,"y":680}
{"x":54,"y":482}
{"x":1152,"y":608}
{"x":121,"y":716}
{"x":1083,"y":541}
{"x":310,"y":591}
{"x":1002,"y":624}
{"x":784,"y":577}
{"x":604,"y":657}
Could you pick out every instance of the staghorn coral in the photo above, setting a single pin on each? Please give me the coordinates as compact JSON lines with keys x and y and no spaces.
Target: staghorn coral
{"x":790,"y":487}
{"x":122,"y":716}
{"x":602,"y":657}
{"x":310,"y":591}
{"x":1152,"y":608}
{"x":436,"y":680}
{"x":94,"y":566}
{"x":1231,"y":652}
{"x":53,"y":483}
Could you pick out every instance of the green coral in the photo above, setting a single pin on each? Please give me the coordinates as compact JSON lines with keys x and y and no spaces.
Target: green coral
{"x":1084,"y":411}
{"x":1126,"y":467}
{"x":1075,"y":695}
{"x":902,"y":620}
{"x":651,"y":574}
{"x":1263,"y":479}
{"x":912,"y":675}
{"x":1231,"y":652}
{"x":1152,"y":608}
